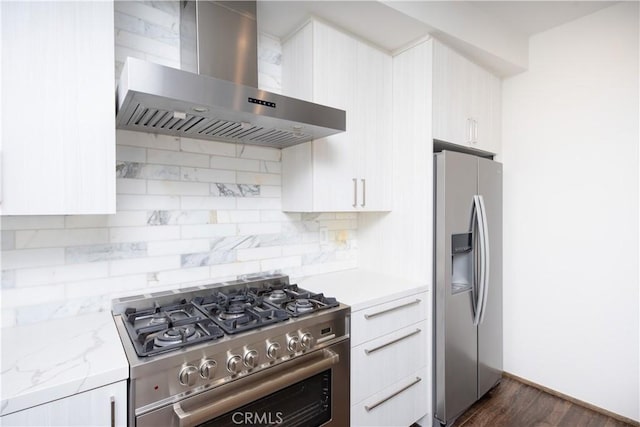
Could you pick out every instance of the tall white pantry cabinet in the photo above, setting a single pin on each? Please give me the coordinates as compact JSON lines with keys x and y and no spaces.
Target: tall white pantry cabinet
{"x":57,"y":153}
{"x":350,"y":171}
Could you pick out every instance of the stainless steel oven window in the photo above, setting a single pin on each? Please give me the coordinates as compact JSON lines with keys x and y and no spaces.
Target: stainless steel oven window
{"x":305,"y":404}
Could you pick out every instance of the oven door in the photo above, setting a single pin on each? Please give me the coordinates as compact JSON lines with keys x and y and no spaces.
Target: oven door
{"x":310,"y":391}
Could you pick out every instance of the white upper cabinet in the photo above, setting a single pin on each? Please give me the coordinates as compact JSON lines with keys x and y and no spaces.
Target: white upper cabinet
{"x":350,"y":171}
{"x":58,"y":108}
{"x":466,"y":101}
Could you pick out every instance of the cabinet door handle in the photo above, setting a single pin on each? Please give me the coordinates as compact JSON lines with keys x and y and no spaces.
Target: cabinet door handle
{"x":391,"y":396}
{"x":1,"y":177}
{"x":355,"y":193}
{"x":469,"y":130}
{"x":369,"y":316}
{"x":475,"y":131}
{"x":113,"y":411}
{"x":364,"y":192}
{"x":387,"y":344}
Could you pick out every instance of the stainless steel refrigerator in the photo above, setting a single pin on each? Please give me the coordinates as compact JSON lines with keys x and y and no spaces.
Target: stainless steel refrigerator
{"x":468,"y":281}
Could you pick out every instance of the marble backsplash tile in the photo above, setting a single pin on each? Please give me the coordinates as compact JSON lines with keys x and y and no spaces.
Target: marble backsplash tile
{"x":175,"y":226}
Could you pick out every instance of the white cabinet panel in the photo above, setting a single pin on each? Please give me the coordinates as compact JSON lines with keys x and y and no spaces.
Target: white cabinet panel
{"x":91,"y":408}
{"x":334,"y":81}
{"x":399,"y":405}
{"x":466,"y":101}
{"x":350,"y":171}
{"x":383,"y":360}
{"x":385,"y":318}
{"x":58,"y":108}
{"x":451,"y":96}
{"x":373,"y":121}
{"x":390,"y":349}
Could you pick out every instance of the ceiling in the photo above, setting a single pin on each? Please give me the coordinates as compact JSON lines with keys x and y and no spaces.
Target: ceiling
{"x":391,"y":29}
{"x":531,"y":17}
{"x":370,"y":20}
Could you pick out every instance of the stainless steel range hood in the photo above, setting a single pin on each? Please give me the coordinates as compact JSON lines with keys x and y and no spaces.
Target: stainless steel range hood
{"x":214,"y":96}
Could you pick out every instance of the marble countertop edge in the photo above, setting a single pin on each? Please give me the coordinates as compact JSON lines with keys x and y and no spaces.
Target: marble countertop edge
{"x":58,"y":391}
{"x":47,"y":361}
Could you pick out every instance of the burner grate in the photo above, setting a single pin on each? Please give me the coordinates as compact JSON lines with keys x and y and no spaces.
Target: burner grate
{"x":239,"y":311}
{"x":163,"y":328}
{"x":165,"y":323}
{"x":296,"y":302}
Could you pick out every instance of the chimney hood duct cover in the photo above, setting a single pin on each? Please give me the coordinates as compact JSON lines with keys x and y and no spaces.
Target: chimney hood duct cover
{"x":225,"y":107}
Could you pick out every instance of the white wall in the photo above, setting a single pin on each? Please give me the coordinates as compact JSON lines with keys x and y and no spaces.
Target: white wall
{"x":570,"y":140}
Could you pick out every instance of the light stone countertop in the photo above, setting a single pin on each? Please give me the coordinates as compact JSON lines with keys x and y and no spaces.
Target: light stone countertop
{"x":361,"y":288}
{"x":45,"y":361}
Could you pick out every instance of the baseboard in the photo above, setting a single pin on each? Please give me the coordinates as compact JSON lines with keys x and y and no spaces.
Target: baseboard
{"x":572,"y":399}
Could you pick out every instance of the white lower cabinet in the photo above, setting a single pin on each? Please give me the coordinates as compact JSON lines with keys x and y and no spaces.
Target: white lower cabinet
{"x":104,"y":406}
{"x":390,"y":362}
{"x":400,"y":404}
{"x":388,"y":358}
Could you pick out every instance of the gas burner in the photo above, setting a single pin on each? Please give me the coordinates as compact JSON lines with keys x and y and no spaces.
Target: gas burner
{"x":277,"y":296}
{"x":233,"y":311}
{"x":172,"y":336}
{"x":301,"y":305}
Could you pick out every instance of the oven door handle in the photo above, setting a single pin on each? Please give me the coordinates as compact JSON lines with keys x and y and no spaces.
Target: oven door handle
{"x":255,"y":391}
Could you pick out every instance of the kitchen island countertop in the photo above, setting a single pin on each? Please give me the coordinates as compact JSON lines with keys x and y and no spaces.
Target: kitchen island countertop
{"x":51,"y":360}
{"x":360,"y":288}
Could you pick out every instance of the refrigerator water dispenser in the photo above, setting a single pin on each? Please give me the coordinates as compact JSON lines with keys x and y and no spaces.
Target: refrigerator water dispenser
{"x":461,"y":262}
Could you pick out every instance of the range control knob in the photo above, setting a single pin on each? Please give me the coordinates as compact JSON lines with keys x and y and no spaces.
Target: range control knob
{"x":306,"y":341}
{"x":251,"y":359}
{"x":234,"y":363}
{"x":188,"y":375}
{"x":293,"y":344}
{"x":208,"y":369}
{"x":272,"y":350}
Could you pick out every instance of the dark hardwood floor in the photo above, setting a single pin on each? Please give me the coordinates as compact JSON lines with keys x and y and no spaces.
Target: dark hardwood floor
{"x":514,"y":404}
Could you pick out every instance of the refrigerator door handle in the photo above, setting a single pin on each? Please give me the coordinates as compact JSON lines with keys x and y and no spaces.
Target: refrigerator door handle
{"x":487,"y":254}
{"x":479,"y":218}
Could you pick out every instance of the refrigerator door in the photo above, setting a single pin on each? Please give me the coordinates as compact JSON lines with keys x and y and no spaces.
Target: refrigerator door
{"x":490,"y":328}
{"x":454,"y":332}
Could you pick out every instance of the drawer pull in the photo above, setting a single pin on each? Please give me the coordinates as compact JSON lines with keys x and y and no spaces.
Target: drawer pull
{"x":369,"y":316}
{"x":380,"y":402}
{"x":112,"y":401}
{"x":380,"y":347}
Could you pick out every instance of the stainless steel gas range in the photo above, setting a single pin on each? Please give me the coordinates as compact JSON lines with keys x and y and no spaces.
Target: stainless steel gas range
{"x":253,"y":352}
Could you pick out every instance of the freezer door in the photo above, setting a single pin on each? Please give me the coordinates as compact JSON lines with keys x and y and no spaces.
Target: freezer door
{"x":490,"y":329}
{"x":456,"y":343}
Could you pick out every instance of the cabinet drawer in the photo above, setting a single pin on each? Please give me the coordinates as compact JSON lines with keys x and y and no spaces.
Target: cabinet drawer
{"x":381,"y":362}
{"x":400,"y":404}
{"x":384,"y":318}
